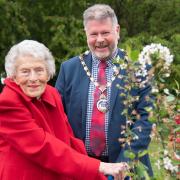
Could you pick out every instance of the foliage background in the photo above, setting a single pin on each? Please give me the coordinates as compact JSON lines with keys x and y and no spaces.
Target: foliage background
{"x":58,"y":24}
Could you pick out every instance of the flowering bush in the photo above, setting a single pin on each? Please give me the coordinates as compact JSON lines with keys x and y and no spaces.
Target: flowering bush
{"x":152,"y":68}
{"x":166,"y":104}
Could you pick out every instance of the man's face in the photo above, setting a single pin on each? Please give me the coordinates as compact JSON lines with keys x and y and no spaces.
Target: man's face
{"x":102,"y":37}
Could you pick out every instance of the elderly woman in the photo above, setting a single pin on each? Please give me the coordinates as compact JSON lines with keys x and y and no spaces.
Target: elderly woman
{"x":36,"y":141}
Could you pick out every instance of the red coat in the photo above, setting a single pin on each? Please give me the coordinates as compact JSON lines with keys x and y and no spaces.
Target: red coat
{"x":36,"y":141}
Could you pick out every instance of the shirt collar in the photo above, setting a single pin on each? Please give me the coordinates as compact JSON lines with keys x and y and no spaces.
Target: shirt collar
{"x":48,"y":97}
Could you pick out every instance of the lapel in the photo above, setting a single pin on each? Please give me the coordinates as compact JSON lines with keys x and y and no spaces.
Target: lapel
{"x":114,"y":93}
{"x":114,"y":90}
{"x":84,"y":88}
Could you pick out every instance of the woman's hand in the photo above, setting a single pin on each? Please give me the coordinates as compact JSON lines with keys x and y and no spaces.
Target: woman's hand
{"x":117,"y":170}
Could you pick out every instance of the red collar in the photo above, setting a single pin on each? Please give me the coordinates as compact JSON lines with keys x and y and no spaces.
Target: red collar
{"x":47,"y":96}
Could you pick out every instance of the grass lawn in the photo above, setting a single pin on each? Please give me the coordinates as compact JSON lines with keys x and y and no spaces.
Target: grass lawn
{"x":160,"y":174}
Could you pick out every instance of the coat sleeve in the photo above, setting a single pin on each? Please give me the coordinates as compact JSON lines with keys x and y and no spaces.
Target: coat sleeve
{"x":21,"y":131}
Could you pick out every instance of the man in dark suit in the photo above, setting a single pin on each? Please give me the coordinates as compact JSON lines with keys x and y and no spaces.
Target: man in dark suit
{"x":87,"y":99}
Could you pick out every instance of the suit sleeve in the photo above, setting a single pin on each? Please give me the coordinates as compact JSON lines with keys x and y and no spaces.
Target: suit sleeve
{"x":60,"y":84}
{"x":37,"y":145}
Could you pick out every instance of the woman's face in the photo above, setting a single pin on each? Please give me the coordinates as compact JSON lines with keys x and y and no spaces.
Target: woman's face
{"x":31,"y":75}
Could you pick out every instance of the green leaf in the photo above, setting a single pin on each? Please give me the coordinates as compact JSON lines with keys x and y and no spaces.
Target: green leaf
{"x":141,"y":171}
{"x":177,"y":129}
{"x":161,"y":80}
{"x":148,"y":109}
{"x":129,"y":154}
{"x":134,"y":55}
{"x":142,"y":153}
{"x":177,"y":84}
{"x":128,"y":50}
{"x":177,"y":106}
{"x":166,"y":91}
{"x":124,"y":112}
{"x":152,"y":119}
{"x":170,"y":98}
{"x":163,"y":112}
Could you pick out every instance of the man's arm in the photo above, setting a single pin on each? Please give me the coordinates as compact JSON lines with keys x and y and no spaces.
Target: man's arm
{"x":60,"y":84}
{"x":141,"y":126}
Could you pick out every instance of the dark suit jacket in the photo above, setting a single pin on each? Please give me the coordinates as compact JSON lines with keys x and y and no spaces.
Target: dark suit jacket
{"x":73,"y":84}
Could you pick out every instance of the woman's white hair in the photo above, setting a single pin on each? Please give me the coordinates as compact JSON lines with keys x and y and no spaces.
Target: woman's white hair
{"x":29,"y":48}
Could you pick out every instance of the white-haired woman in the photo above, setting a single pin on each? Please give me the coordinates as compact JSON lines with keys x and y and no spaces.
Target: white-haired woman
{"x":36,"y":141}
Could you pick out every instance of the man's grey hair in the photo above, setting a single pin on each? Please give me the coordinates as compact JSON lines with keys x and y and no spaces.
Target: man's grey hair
{"x":29,"y":48}
{"x":99,"y":12}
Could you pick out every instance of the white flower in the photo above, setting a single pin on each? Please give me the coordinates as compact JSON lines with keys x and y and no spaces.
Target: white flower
{"x":129,"y":122}
{"x":118,"y":59}
{"x":155,"y":90}
{"x":169,"y":166}
{"x":115,"y":69}
{"x":165,"y":152}
{"x":162,"y":52}
{"x":166,"y":91}
{"x":2,"y":80}
{"x":86,"y":52}
{"x":135,"y":137}
{"x":158,"y":164}
{"x":167,"y":163}
{"x":123,"y":66}
{"x":167,"y":75}
{"x":177,"y":156}
{"x":175,"y":169}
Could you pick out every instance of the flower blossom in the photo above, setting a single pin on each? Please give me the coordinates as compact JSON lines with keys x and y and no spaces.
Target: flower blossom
{"x":145,"y":57}
{"x":169,"y":166}
{"x":2,"y":80}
